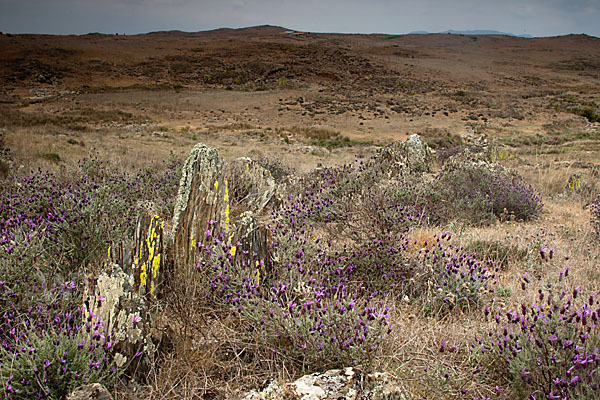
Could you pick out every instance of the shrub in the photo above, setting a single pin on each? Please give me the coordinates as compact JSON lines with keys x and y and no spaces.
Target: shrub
{"x":300,"y":309}
{"x":455,"y":278}
{"x":478,"y":194}
{"x":74,"y":221}
{"x":53,"y":229}
{"x":548,"y":348}
{"x":52,"y":361}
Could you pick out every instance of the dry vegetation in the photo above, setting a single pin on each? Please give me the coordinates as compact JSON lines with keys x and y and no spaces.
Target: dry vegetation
{"x":136,"y":104}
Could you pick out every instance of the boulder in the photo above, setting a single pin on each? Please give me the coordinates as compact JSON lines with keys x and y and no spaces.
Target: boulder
{"x":111,"y":302}
{"x":251,"y":186}
{"x":202,"y":205}
{"x":253,"y":240}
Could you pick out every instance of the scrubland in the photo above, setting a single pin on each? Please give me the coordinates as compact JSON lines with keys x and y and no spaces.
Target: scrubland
{"x":470,"y":275}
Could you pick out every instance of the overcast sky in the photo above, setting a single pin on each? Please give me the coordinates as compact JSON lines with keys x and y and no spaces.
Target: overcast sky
{"x":533,"y":17}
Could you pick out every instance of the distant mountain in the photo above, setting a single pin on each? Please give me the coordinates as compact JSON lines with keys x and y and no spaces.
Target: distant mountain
{"x":473,"y":32}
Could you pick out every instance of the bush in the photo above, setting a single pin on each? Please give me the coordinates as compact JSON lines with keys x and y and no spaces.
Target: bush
{"x":294,"y":309}
{"x":75,"y":221}
{"x":51,"y":362}
{"x":53,"y":230}
{"x":479,"y":193}
{"x":455,"y":278}
{"x":548,"y":348}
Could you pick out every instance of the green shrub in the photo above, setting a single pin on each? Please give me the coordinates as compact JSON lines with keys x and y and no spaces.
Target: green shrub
{"x":51,"y":363}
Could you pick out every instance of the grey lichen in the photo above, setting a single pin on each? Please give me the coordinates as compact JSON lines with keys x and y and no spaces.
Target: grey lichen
{"x":201,"y":158}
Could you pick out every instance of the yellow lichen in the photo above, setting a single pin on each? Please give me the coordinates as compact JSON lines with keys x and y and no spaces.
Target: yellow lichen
{"x":226,"y":199}
{"x":259,"y":266}
{"x":153,"y":260}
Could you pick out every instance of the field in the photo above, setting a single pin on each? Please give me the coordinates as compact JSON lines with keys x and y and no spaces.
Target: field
{"x":467,"y":272}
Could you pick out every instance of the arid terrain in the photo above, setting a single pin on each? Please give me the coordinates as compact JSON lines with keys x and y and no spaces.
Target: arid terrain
{"x":309,"y":100}
{"x":261,"y":83}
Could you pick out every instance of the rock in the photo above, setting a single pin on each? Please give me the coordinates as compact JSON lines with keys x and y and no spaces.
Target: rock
{"x":149,"y":257}
{"x":320,"y":151}
{"x":255,"y":239}
{"x":412,"y":155}
{"x":333,"y":384}
{"x":112,"y":299}
{"x":202,"y":205}
{"x":250,"y":185}
{"x":143,"y":256}
{"x":93,"y":391}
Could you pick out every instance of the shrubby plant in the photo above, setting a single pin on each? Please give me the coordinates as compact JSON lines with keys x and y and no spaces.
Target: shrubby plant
{"x":49,"y":360}
{"x":456,"y":278}
{"x":547,"y":348}
{"x":478,"y":195}
{"x":52,"y":230}
{"x":300,"y":309}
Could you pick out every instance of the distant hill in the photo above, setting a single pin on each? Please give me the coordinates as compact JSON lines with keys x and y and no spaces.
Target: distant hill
{"x":473,"y":32}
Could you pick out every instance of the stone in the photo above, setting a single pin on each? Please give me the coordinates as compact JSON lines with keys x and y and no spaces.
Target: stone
{"x":111,"y":298}
{"x":250,"y":185}
{"x":320,"y":151}
{"x":93,"y":391}
{"x":338,"y":384}
{"x":253,"y":240}
{"x":202,"y":205}
{"x":412,"y":155}
{"x":306,"y":149}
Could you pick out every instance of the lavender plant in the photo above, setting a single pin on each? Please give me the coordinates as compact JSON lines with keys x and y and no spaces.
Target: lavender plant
{"x":47,"y":350}
{"x":549,"y":347}
{"x":302,"y":310}
{"x":455,"y":278}
{"x":51,"y":230}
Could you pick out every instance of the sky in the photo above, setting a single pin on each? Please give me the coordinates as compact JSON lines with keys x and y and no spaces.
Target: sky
{"x":520,"y":17}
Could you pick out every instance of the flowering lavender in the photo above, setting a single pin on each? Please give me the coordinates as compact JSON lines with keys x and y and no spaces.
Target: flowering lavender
{"x":457,"y":278}
{"x":478,"y":194}
{"x":302,"y":309}
{"x":548,"y":348}
{"x":51,"y":229}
